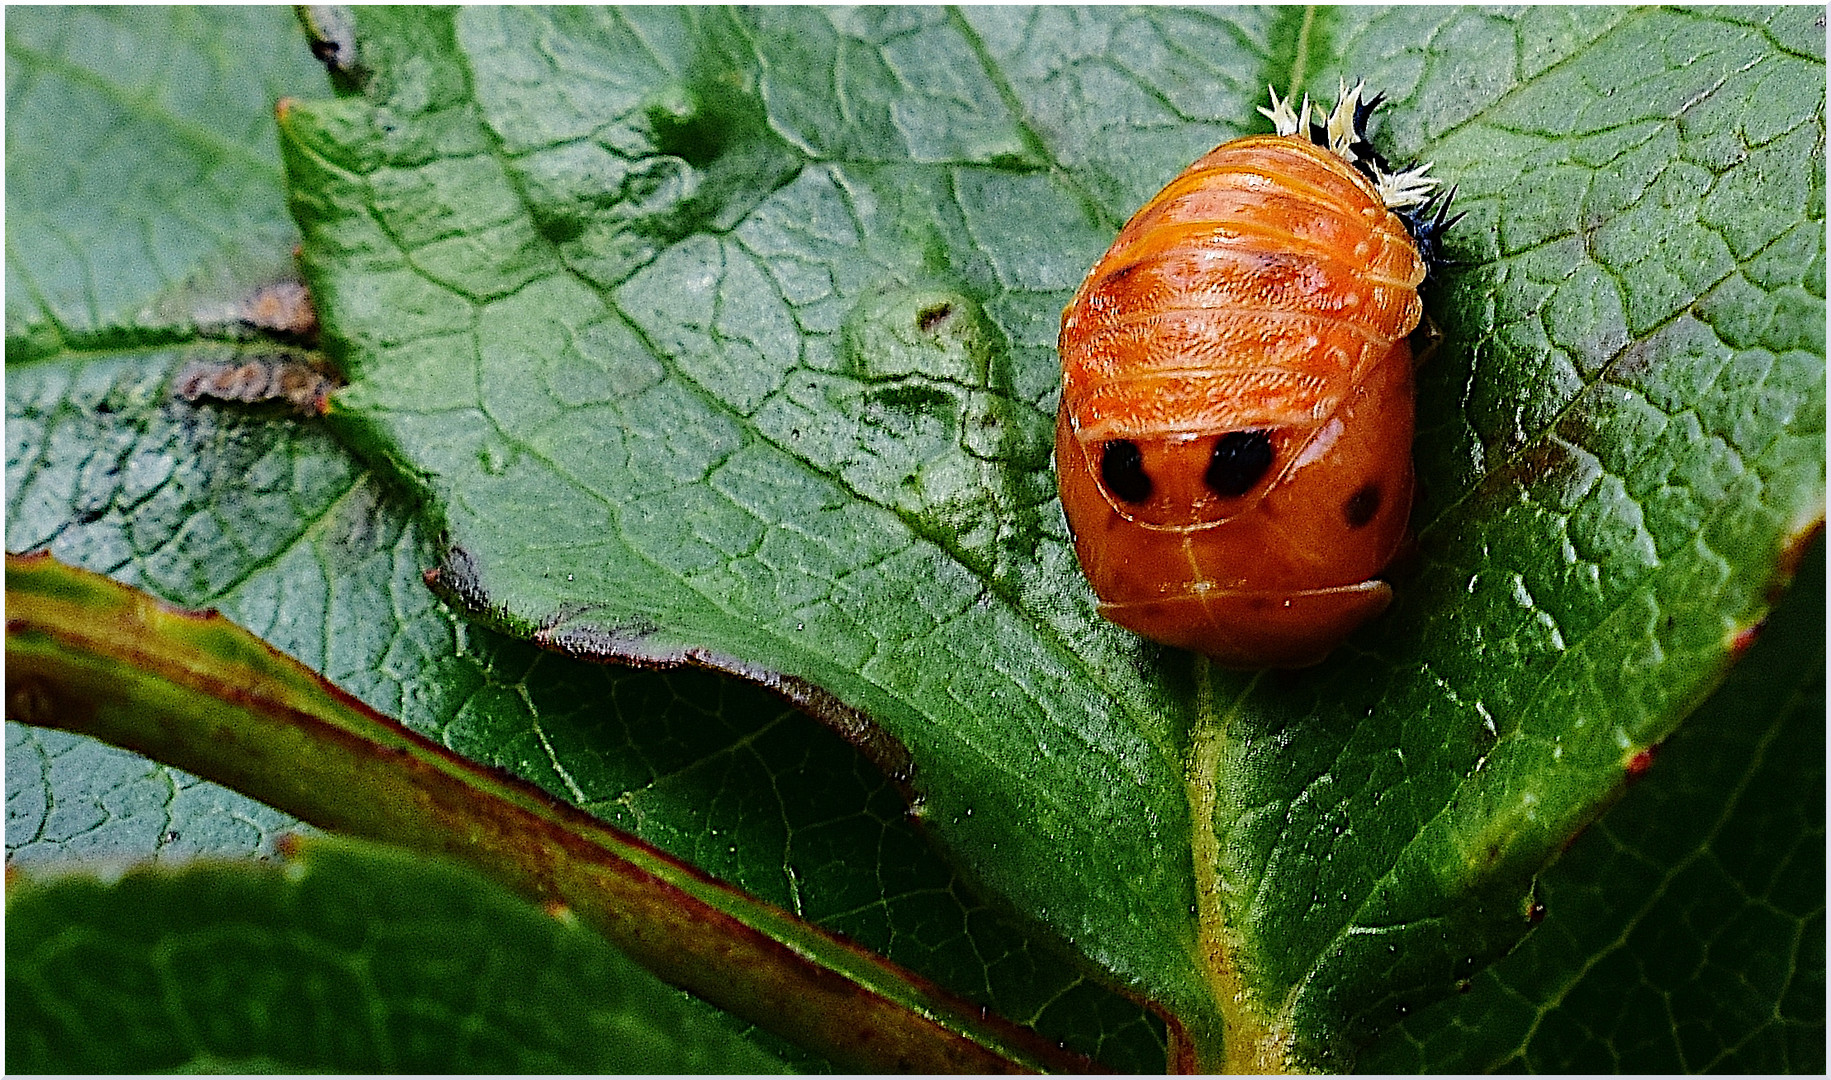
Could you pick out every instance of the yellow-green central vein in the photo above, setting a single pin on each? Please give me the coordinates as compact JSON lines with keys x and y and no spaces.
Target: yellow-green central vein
{"x":1253,"y":1041}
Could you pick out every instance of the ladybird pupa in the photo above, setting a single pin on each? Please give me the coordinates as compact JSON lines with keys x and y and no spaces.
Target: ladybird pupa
{"x":1234,"y":441}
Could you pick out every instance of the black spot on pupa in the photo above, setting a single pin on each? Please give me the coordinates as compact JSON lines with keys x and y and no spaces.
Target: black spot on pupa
{"x":1239,"y":460}
{"x":1122,"y":470}
{"x":1362,"y":506}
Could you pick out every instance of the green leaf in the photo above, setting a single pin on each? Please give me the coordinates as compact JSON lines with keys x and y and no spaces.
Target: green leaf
{"x":266,"y":518}
{"x":141,"y":171}
{"x":349,"y":958}
{"x":1118,"y":101}
{"x":94,"y":656}
{"x":1686,"y":930}
{"x":723,"y":338}
{"x":647,"y":508}
{"x":145,"y":209}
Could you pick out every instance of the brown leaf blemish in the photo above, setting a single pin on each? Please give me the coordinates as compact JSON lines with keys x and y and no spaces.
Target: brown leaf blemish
{"x":1744,"y":639}
{"x":1637,"y":763}
{"x":277,"y":376}
{"x":283,"y":307}
{"x":930,"y":319}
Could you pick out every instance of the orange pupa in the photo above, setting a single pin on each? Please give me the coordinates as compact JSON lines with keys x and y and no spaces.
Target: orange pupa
{"x":1234,"y":441}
